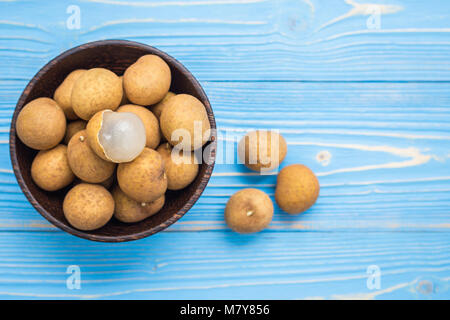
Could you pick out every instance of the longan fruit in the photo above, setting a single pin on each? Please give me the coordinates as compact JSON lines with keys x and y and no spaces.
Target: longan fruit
{"x":95,"y":90}
{"x":147,"y":81}
{"x":184,"y":115}
{"x":50,"y":169}
{"x":109,"y":182}
{"x":249,"y":210}
{"x":116,"y":136}
{"x":88,"y":206}
{"x":180,"y":168}
{"x":85,"y":164}
{"x":63,"y":93}
{"x":72,"y":128}
{"x":262,"y":150}
{"x":124,"y":96}
{"x":41,"y":124}
{"x":158,"y":108}
{"x":128,"y":210}
{"x":143,"y":179}
{"x":297,"y":189}
{"x":151,"y":123}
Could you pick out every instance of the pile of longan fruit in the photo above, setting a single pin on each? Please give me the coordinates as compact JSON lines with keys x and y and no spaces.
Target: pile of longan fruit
{"x":110,"y":139}
{"x":297,"y":189}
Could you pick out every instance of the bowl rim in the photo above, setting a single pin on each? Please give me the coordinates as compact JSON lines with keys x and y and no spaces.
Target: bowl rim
{"x":138,"y":235}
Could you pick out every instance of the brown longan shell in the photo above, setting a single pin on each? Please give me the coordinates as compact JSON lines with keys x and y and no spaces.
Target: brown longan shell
{"x":93,"y":127}
{"x":159,"y":107}
{"x":147,"y":81}
{"x":255,"y":150}
{"x":41,"y":124}
{"x":63,"y":93}
{"x":72,"y":128}
{"x":128,"y":210}
{"x":88,"y":206}
{"x":179,"y":175}
{"x":95,"y":90}
{"x":50,"y":169}
{"x":181,"y":112}
{"x":143,"y":179}
{"x":297,"y":189}
{"x":249,"y":210}
{"x":85,"y":164}
{"x":124,"y":100}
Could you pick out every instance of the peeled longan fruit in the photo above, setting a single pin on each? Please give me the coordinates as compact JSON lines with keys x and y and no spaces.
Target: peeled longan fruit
{"x":180,"y":168}
{"x":262,"y":150}
{"x":158,"y":108}
{"x":147,"y":80}
{"x":184,"y":122}
{"x":297,"y":189}
{"x":143,"y":179}
{"x":72,"y":128}
{"x":85,"y":164}
{"x":50,"y":169}
{"x":63,"y":93}
{"x":41,"y":124}
{"x":88,"y":206}
{"x":116,"y":136}
{"x":151,"y":123}
{"x":95,"y":90}
{"x":249,"y":210}
{"x":128,"y":210}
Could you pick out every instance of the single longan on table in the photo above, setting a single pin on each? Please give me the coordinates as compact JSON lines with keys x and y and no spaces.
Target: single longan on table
{"x":249,"y":210}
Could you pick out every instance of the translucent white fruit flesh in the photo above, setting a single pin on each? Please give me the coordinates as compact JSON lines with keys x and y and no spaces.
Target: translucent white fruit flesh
{"x":122,"y":136}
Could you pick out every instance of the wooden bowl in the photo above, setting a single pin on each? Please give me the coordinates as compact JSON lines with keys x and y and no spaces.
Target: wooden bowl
{"x":115,"y":55}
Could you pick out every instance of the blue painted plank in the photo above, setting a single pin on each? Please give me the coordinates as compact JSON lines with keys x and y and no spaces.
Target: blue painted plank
{"x":228,"y":266}
{"x":244,"y":39}
{"x":380,"y":149}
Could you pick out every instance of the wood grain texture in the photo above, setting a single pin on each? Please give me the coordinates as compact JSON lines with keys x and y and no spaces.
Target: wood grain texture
{"x":245,"y":40}
{"x":225,"y":265}
{"x":366,"y":109}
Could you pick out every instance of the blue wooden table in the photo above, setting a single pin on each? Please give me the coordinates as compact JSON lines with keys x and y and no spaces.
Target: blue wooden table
{"x":361,"y":93}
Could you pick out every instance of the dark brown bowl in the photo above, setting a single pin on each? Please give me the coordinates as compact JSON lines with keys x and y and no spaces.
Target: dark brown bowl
{"x":115,"y":55}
